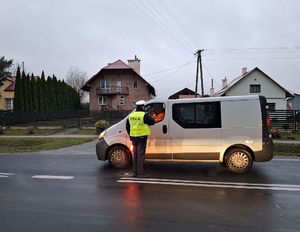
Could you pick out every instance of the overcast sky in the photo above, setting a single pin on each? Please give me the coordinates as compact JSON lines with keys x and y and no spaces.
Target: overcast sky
{"x":53,"y":35}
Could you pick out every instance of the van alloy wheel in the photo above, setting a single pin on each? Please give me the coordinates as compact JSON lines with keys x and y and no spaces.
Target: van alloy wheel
{"x":119,"y":157}
{"x":238,"y":160}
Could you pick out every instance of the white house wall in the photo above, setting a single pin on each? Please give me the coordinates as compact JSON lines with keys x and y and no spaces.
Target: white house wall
{"x":268,"y":88}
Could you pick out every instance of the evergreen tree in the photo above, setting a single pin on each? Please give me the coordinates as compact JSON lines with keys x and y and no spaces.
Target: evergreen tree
{"x":4,"y":68}
{"x":24,"y":92}
{"x":48,"y":93}
{"x":39,"y":94}
{"x":34,"y":95}
{"x":43,"y":106}
{"x":18,"y":103}
{"x":29,"y":93}
{"x":55,"y":91}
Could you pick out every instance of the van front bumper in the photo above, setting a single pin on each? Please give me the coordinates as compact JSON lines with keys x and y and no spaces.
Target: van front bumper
{"x":266,"y":153}
{"x":101,"y":149}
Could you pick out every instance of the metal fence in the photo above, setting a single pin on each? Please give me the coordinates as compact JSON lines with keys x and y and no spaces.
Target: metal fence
{"x":282,"y":120}
{"x":285,"y":120}
{"x":63,"y":119}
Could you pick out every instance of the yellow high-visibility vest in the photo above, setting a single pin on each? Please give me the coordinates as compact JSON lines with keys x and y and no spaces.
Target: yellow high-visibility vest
{"x":137,"y":126}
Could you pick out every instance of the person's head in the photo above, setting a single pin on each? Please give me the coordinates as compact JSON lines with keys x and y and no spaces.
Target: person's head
{"x":158,"y":108}
{"x":140,"y":105}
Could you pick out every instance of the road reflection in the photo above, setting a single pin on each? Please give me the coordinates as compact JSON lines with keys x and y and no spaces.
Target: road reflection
{"x":132,"y":202}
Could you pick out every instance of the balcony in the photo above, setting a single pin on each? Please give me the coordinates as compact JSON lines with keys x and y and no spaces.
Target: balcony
{"x":112,"y":90}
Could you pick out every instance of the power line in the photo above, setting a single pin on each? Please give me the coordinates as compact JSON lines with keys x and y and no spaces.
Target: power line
{"x":171,"y":68}
{"x":256,"y":49}
{"x":182,"y":27}
{"x":179,"y":68}
{"x":160,"y":18}
{"x":157,"y":22}
{"x":171,"y":26}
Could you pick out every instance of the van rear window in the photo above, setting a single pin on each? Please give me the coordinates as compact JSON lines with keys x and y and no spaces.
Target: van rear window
{"x":197,"y":115}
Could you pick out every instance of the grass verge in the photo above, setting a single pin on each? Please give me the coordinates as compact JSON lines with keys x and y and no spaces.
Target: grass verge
{"x":28,"y":131}
{"x":84,"y":132}
{"x":11,"y":145}
{"x":287,"y":149}
{"x":289,"y":136}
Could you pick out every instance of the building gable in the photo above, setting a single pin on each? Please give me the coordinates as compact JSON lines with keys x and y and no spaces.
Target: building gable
{"x":118,"y":67}
{"x":257,"y":83}
{"x":241,"y":85}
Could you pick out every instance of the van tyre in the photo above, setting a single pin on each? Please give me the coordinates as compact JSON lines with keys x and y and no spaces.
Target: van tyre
{"x":119,"y":157}
{"x":238,"y":160}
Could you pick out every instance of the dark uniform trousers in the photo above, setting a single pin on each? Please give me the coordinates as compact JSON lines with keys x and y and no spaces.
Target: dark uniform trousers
{"x":139,"y":149}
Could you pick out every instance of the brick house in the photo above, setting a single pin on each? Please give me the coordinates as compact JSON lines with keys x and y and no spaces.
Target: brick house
{"x":118,"y":86}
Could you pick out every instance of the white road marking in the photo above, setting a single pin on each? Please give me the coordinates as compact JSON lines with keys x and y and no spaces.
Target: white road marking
{"x":211,"y":184}
{"x":287,"y":159}
{"x":7,"y":173}
{"x":1,"y":176}
{"x":53,"y":177}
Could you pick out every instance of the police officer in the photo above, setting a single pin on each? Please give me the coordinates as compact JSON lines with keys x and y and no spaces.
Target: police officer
{"x":138,"y":127}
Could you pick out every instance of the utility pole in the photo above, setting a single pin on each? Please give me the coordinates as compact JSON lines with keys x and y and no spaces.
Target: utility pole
{"x":23,"y":66}
{"x":199,"y":63}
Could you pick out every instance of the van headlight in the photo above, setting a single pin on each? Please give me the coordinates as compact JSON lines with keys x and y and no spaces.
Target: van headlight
{"x":102,"y":135}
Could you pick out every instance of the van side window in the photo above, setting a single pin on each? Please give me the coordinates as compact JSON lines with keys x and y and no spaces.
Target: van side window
{"x":197,"y":115}
{"x":156,"y":111}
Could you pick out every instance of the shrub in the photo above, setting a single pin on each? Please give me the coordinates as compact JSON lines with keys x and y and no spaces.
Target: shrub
{"x":101,"y":125}
{"x":1,"y":130}
{"x":275,"y":134}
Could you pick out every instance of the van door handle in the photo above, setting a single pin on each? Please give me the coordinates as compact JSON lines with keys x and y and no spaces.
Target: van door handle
{"x":164,"y":128}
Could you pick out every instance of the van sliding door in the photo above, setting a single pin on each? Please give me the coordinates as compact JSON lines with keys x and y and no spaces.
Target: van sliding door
{"x":195,"y":130}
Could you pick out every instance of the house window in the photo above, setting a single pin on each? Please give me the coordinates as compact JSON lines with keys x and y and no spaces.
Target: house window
{"x":135,"y":83}
{"x":122,"y":100}
{"x":119,"y":86}
{"x":197,"y":115}
{"x":9,"y":102}
{"x":105,"y":86}
{"x":254,"y":88}
{"x":102,"y":100}
{"x":271,"y":106}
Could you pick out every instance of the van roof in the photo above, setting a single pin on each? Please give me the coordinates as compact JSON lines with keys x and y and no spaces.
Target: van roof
{"x":205,"y":99}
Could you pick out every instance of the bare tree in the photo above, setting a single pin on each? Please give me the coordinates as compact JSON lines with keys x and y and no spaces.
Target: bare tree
{"x":76,"y":78}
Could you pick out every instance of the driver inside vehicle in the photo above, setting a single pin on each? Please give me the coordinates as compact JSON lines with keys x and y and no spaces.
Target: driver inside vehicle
{"x":159,"y":112}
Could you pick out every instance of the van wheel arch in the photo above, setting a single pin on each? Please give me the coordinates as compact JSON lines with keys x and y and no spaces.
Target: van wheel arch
{"x":118,"y":150}
{"x":239,"y":146}
{"x":238,"y":158}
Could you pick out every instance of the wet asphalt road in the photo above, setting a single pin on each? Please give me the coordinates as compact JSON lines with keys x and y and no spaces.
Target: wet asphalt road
{"x":176,"y":197}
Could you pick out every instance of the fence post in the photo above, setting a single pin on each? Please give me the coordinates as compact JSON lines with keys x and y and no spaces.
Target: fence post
{"x":294,"y":117}
{"x":34,"y":120}
{"x":79,"y":119}
{"x":62,"y":120}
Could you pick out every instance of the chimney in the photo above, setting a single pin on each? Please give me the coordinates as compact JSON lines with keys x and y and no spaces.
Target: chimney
{"x":244,"y":70}
{"x":212,"y":90}
{"x":135,"y":64}
{"x":224,"y":83}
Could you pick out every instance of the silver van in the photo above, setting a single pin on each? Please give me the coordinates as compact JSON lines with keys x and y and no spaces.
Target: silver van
{"x":233,"y":131}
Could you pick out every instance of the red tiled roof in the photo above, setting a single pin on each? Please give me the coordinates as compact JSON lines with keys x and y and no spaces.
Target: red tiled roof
{"x":11,"y":87}
{"x":119,"y":64}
